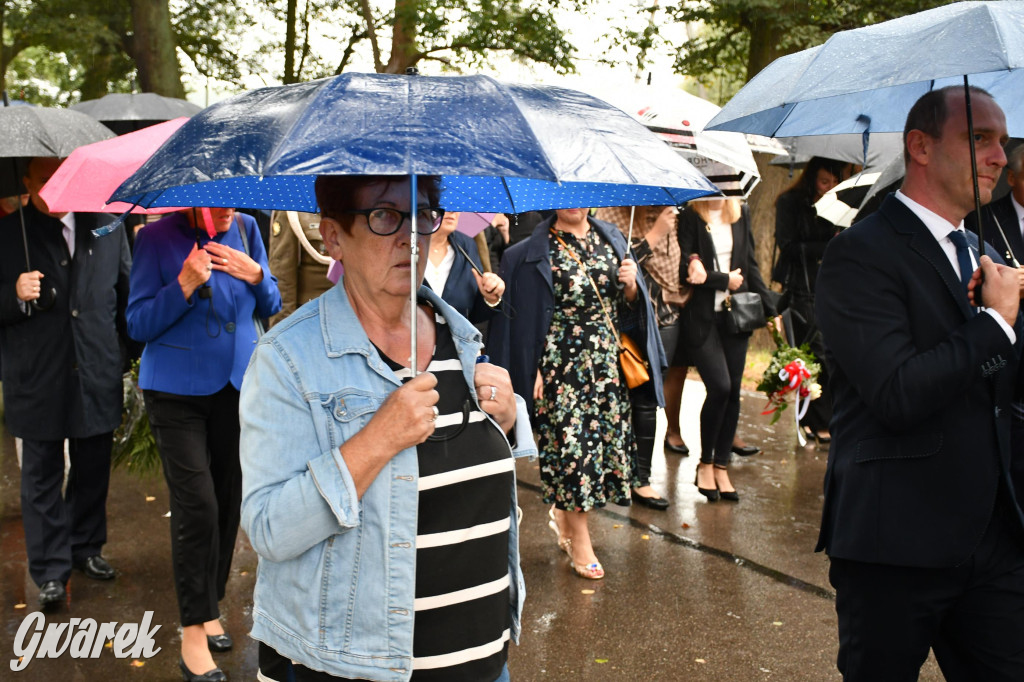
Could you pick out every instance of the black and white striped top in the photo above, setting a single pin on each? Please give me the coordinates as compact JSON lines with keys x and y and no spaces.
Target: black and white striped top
{"x":462,"y":575}
{"x":462,"y":613}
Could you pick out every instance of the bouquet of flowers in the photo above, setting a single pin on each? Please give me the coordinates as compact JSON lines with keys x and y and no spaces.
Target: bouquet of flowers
{"x":134,"y":445}
{"x":791,"y":376}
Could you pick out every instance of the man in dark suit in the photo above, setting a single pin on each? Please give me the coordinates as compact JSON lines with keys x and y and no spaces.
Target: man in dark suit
{"x":62,"y":365}
{"x":921,"y":521}
{"x":1008,"y":214}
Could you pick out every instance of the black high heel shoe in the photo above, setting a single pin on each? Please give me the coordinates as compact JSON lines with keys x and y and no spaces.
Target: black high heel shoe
{"x":729,"y":495}
{"x":710,"y":493}
{"x":215,"y":675}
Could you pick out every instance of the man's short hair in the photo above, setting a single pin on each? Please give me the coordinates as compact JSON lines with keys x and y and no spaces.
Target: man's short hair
{"x":1015,"y":159}
{"x":930,"y":112}
{"x":335,"y":194}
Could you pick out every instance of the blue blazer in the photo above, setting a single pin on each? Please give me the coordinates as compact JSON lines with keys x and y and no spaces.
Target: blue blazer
{"x":195,"y":346}
{"x":460,"y":289}
{"x":516,"y":341}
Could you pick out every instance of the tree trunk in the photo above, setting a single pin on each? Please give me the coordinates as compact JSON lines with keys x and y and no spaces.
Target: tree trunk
{"x":403,"y":37}
{"x":154,"y":48}
{"x":764,"y":41}
{"x":289,"y":43}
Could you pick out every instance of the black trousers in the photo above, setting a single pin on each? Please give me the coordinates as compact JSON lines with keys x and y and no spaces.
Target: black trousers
{"x":62,"y":528}
{"x":198,"y":441}
{"x":971,"y":615}
{"x":720,"y":360}
{"x":645,"y":422}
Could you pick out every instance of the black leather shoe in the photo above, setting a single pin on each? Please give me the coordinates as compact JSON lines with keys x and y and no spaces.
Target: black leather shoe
{"x":659,"y":503}
{"x":52,"y":594}
{"x":746,"y":450}
{"x":677,"y":449}
{"x":95,"y":567}
{"x":215,"y":675}
{"x":219,"y":643}
{"x":729,"y":495}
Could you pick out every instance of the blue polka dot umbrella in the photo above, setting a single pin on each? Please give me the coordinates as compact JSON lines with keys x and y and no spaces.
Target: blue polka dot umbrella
{"x":499,"y":147}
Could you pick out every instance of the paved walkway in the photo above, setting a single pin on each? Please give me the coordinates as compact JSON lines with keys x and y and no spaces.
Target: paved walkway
{"x":723,"y":592}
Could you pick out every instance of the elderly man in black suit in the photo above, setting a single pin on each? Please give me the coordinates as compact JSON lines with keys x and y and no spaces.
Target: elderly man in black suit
{"x":1008,"y":214}
{"x":62,"y":364}
{"x":922,"y":522}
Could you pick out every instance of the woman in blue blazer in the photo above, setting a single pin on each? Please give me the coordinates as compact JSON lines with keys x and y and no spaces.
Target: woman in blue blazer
{"x":562,"y":355}
{"x":195,"y":310}
{"x":450,"y":273}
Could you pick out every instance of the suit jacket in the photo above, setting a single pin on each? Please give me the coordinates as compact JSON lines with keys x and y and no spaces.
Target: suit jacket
{"x":1003,"y":211}
{"x":516,"y":341}
{"x":698,"y":316}
{"x":62,"y":367}
{"x":920,"y":427}
{"x":460,"y":289}
{"x":195,"y":346}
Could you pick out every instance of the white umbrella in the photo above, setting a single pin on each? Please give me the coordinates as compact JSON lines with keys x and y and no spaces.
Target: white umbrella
{"x":679,"y":118}
{"x":849,"y":147}
{"x":840,"y":204}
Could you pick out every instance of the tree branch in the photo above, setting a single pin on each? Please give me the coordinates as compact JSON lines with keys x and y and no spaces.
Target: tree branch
{"x":371,"y":33}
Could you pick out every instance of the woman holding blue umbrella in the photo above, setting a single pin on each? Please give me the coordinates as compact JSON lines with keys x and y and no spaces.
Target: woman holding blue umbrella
{"x":380,"y":494}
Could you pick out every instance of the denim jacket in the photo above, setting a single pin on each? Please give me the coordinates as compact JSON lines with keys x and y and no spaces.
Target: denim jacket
{"x":337,"y":574}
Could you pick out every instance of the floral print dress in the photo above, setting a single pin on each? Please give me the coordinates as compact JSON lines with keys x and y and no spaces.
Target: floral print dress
{"x":584,"y":428}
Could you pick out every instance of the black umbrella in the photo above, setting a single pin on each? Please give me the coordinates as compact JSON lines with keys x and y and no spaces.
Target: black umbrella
{"x":40,"y":131}
{"x":125,"y":113}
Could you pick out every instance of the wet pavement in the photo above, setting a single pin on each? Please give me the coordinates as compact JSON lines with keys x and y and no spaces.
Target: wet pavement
{"x":702,"y":591}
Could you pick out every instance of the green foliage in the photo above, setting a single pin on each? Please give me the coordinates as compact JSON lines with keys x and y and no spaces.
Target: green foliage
{"x":134,"y":445}
{"x":775,"y":382}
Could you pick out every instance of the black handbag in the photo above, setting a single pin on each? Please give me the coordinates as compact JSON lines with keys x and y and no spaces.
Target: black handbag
{"x":743,"y":312}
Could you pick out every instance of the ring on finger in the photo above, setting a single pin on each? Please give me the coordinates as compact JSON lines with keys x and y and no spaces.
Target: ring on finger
{"x":436,"y":412}
{"x":494,"y":393}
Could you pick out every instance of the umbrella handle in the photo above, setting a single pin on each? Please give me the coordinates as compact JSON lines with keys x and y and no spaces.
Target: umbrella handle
{"x":414,"y":255}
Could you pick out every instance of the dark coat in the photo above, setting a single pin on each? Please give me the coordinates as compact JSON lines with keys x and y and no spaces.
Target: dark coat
{"x":516,"y":341}
{"x":62,"y":367}
{"x":920,"y":430}
{"x":698,"y":316}
{"x":1001,"y":210}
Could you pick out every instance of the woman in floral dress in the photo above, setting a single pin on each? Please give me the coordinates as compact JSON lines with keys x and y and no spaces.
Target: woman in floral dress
{"x":569,"y":283}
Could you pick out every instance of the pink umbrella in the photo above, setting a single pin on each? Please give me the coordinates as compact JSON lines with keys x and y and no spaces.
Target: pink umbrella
{"x":90,"y":175}
{"x":472,"y":224}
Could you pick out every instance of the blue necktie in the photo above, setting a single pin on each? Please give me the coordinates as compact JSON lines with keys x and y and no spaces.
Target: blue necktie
{"x":963,"y":257}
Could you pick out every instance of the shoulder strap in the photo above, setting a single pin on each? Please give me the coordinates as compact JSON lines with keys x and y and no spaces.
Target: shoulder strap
{"x":245,"y":237}
{"x":573,"y":255}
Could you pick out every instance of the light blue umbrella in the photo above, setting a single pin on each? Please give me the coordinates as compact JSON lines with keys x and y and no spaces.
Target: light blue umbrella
{"x":865,"y":80}
{"x":498,"y":147}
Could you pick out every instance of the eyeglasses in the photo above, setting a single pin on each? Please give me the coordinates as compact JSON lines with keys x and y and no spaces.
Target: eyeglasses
{"x":386,"y":221}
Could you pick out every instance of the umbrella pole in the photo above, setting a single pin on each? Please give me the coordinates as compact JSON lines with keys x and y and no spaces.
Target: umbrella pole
{"x":974,"y":167}
{"x":24,"y":239}
{"x":629,"y":237}
{"x":414,"y":254}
